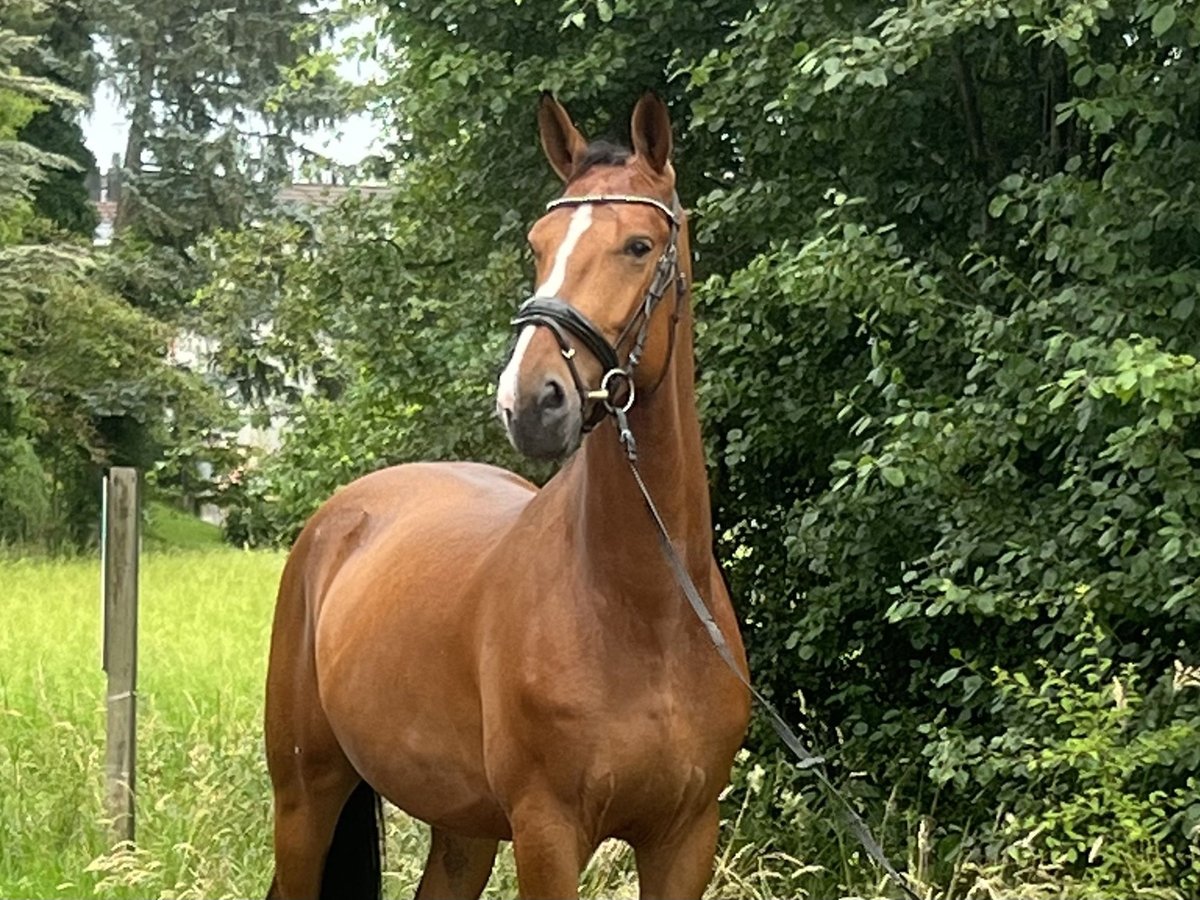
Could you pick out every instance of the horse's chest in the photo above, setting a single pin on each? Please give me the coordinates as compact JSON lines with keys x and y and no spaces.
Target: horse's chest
{"x":634,"y":738}
{"x":660,"y":749}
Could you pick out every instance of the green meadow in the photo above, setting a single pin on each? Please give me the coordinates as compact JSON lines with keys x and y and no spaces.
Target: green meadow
{"x":203,"y":795}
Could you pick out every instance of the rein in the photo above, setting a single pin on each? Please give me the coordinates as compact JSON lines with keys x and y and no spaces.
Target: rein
{"x":616,"y":397}
{"x":806,"y":759}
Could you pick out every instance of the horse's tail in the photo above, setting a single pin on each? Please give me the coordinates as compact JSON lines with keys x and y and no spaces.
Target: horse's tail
{"x":354,"y":864}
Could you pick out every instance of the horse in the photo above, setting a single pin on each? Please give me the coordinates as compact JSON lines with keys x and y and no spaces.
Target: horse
{"x":511,"y":663}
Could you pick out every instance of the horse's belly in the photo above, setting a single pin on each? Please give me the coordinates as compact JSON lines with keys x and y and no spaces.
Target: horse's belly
{"x":449,"y":793}
{"x":405,"y":710}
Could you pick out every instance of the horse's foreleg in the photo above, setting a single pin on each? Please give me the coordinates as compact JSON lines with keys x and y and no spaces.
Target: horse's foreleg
{"x":458,"y":867}
{"x":550,"y":849}
{"x":679,"y":864}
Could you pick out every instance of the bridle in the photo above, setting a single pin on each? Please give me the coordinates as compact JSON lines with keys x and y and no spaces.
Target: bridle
{"x":615,"y":394}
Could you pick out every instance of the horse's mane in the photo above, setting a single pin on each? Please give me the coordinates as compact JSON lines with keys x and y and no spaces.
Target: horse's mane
{"x":601,"y":153}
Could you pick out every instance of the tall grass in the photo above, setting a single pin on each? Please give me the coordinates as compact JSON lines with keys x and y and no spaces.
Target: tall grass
{"x":203,"y":797}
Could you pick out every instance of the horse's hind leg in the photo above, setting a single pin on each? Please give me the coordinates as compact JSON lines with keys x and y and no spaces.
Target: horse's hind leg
{"x":312,"y":780}
{"x":458,"y":867}
{"x":311,"y":777}
{"x":306,"y":817}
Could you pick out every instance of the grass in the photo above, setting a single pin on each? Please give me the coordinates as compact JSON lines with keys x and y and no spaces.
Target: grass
{"x":203,"y":803}
{"x":169,"y":528}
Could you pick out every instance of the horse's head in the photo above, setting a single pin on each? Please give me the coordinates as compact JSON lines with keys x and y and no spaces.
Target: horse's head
{"x":605,"y":255}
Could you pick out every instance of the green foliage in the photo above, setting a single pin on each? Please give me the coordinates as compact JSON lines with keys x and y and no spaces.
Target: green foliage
{"x":84,"y":380}
{"x":62,"y":197}
{"x":26,"y":502}
{"x":64,"y":58}
{"x":359,"y":323}
{"x":972,"y":390}
{"x":1100,"y":777}
{"x":74,"y":419}
{"x":22,"y":166}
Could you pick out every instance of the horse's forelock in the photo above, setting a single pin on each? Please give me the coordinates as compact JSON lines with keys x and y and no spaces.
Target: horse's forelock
{"x":601,"y":153}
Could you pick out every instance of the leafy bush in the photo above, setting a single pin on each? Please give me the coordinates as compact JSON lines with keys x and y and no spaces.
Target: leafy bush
{"x":1096,"y":775}
{"x":973,"y":395}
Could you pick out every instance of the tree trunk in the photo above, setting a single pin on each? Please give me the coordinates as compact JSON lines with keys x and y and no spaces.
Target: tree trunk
{"x":138,"y":123}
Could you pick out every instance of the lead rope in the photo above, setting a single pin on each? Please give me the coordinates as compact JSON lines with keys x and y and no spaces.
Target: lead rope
{"x":700,"y":608}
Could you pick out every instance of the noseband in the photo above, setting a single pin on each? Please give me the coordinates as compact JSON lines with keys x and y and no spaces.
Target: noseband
{"x":615,"y":394}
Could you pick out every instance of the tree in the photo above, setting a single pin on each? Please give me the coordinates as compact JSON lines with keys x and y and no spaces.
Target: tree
{"x":85,"y":379}
{"x":211,"y":135}
{"x":64,"y":58}
{"x":20,"y":166}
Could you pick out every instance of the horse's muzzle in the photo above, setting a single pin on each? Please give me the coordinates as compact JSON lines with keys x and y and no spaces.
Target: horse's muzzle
{"x":546,"y":423}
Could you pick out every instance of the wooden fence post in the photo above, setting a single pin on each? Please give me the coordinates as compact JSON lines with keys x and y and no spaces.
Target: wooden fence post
{"x":119,"y":574}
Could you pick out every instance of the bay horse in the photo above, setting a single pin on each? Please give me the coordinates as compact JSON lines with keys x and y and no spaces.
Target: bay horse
{"x":508,"y":663}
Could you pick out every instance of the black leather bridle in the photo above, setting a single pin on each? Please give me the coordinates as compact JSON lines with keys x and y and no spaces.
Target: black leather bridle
{"x":615,"y":394}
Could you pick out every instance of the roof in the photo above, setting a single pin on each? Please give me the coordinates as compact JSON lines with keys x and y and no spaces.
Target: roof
{"x":317,"y":194}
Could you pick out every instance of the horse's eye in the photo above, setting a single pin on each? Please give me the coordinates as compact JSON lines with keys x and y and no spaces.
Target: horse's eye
{"x":638,"y":247}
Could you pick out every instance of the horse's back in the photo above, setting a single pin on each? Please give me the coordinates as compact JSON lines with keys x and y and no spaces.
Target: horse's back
{"x":374,"y":516}
{"x":429,"y":490}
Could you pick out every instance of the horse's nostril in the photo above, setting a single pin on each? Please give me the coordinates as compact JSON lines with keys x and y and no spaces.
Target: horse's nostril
{"x":553,"y":396}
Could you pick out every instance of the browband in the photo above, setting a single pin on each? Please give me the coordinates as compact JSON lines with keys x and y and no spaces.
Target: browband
{"x":619,"y":198}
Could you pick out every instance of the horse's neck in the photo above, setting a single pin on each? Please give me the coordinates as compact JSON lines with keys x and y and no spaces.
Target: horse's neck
{"x":620,"y":539}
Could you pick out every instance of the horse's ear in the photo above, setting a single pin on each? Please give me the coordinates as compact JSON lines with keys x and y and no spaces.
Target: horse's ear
{"x":651,"y":131}
{"x":561,"y":140}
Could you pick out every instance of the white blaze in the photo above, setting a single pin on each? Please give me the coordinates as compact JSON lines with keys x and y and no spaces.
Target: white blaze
{"x":581,"y":220}
{"x":506,"y":394}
